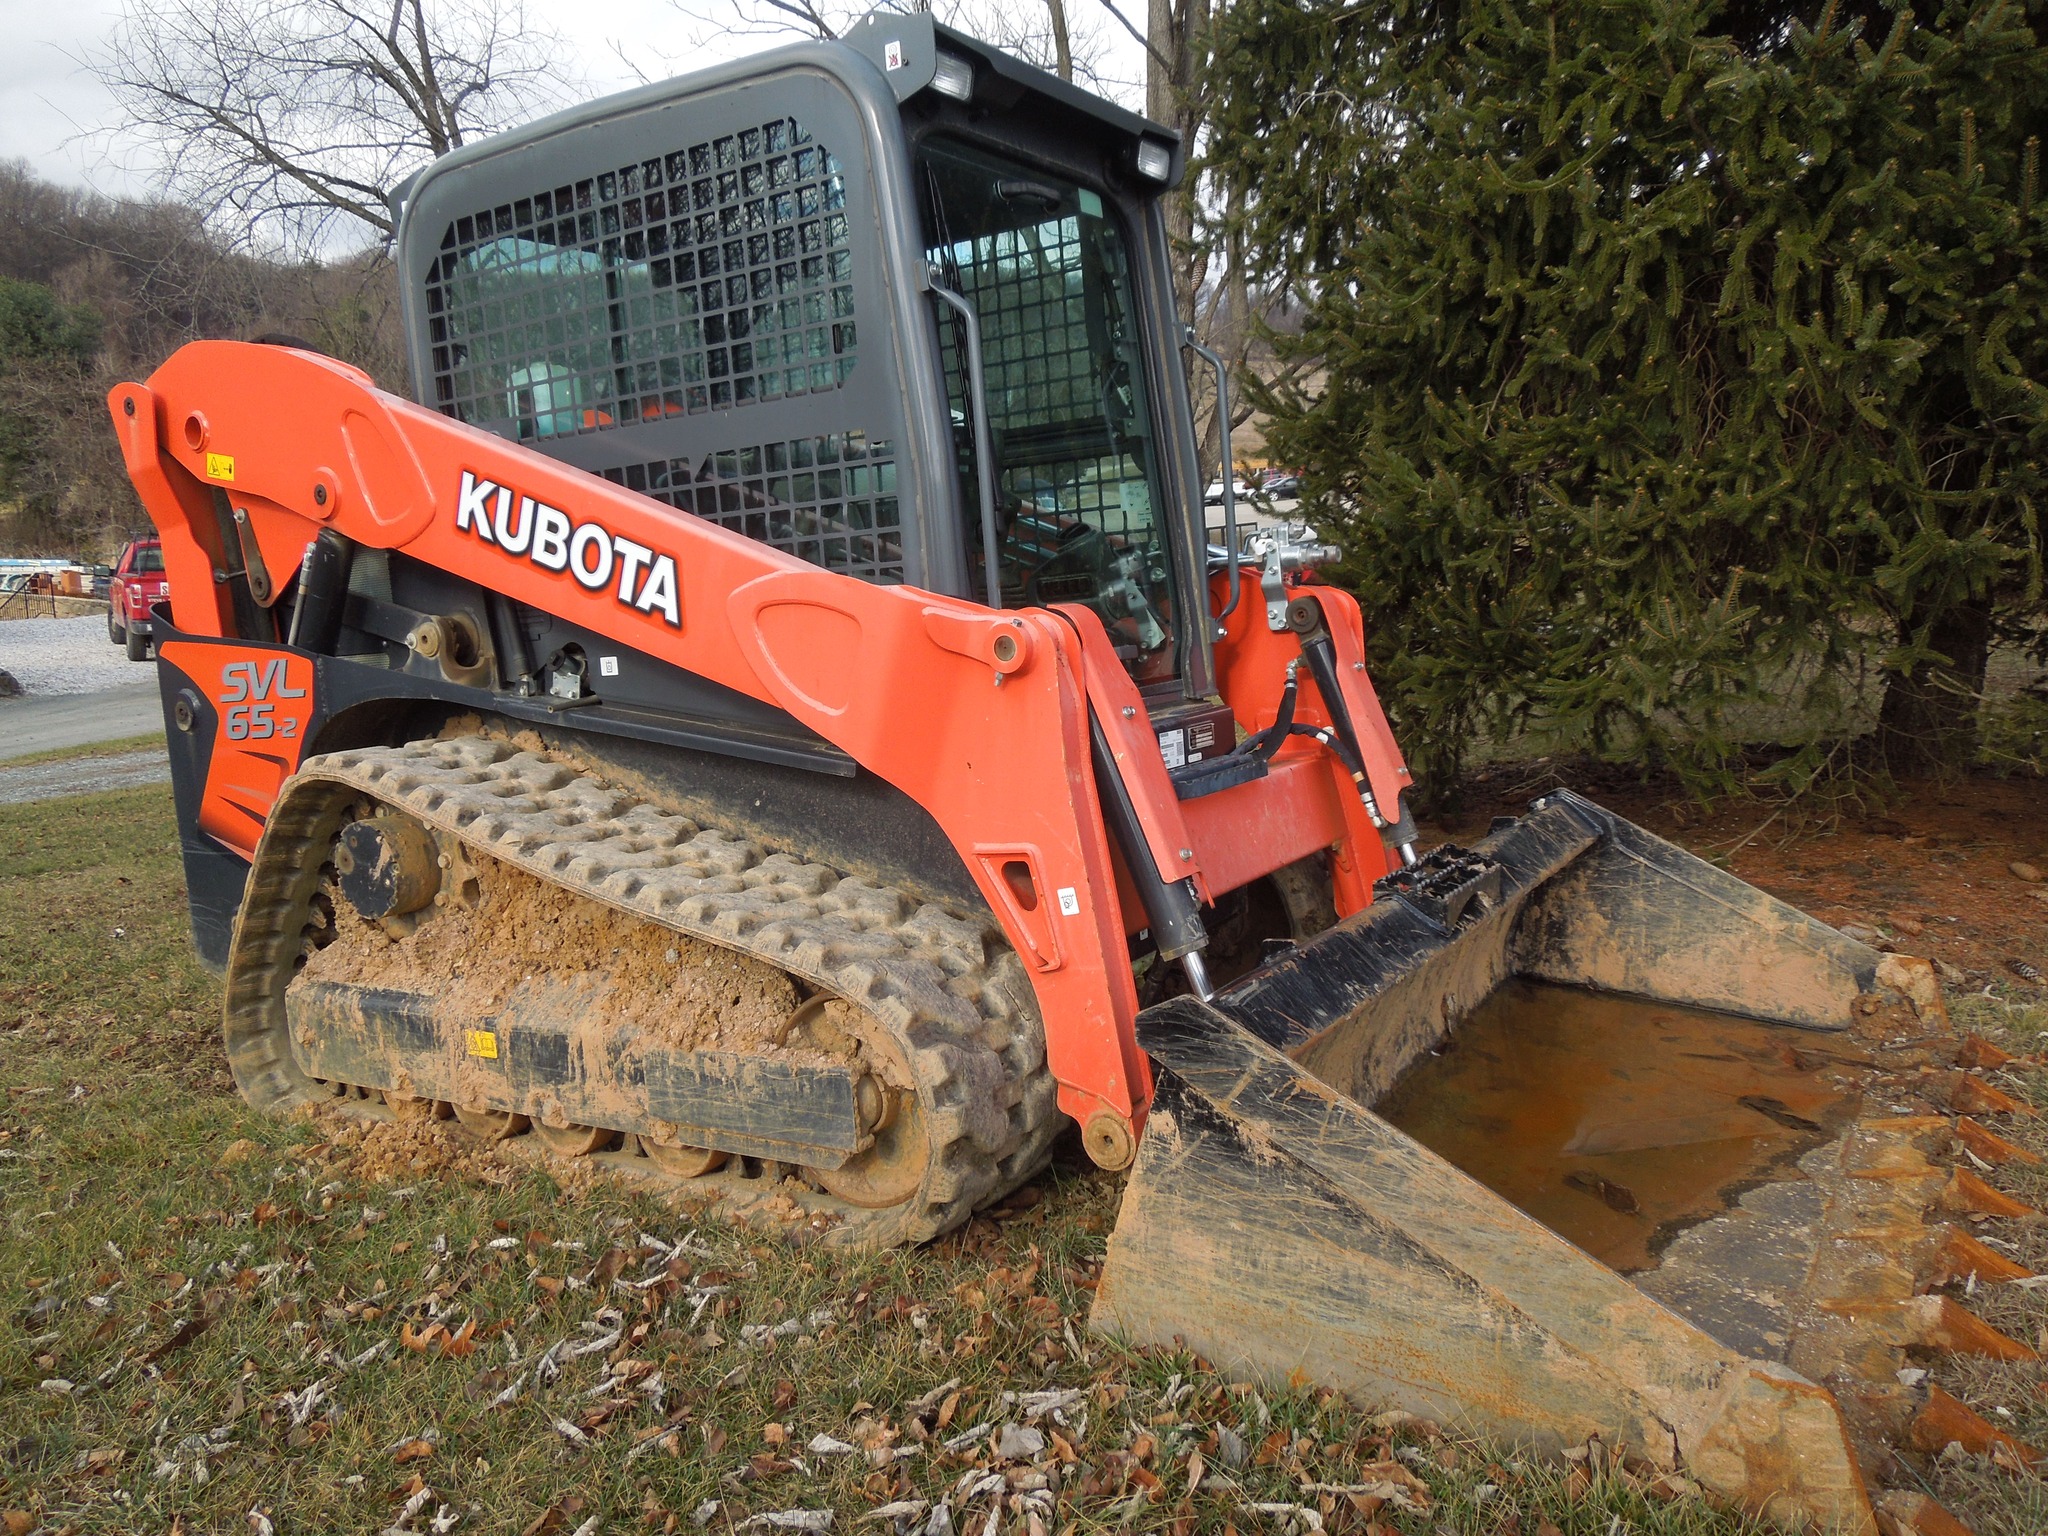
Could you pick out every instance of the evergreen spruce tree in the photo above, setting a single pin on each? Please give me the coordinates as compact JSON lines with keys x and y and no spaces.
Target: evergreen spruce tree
{"x":1668,"y":353}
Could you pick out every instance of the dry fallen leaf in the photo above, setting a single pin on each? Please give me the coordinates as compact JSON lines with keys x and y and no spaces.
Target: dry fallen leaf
{"x":485,"y":1385}
{"x":555,"y":1516}
{"x":188,"y":1330}
{"x":19,"y":1522}
{"x":413,"y":1450}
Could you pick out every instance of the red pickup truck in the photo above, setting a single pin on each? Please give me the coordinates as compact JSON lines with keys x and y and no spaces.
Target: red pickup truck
{"x":137,"y":582}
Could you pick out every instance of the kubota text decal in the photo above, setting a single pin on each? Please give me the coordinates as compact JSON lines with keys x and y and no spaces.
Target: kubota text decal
{"x":642,"y":579}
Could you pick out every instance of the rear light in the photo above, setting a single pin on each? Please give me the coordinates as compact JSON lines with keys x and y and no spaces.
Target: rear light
{"x":1155,"y":160}
{"x":953,"y":76}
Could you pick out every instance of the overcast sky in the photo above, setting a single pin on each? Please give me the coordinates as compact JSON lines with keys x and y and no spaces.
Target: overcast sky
{"x":54,"y":115}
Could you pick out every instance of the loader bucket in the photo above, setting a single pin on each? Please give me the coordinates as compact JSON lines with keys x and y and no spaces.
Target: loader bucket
{"x":1643,"y":1200}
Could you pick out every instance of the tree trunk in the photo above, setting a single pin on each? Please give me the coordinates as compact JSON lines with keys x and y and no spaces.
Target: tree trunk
{"x":1062,"y":46}
{"x":1928,"y":721}
{"x":1159,"y":32}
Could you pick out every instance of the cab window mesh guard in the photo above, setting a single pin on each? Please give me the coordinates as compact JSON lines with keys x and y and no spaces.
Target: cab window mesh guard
{"x":830,"y":500}
{"x":710,"y":277}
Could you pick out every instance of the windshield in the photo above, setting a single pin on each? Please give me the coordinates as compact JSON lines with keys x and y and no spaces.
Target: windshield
{"x":1048,"y":274}
{"x":149,"y":560}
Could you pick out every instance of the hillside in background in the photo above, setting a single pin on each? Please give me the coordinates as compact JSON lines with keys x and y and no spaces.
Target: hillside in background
{"x":94,"y":291}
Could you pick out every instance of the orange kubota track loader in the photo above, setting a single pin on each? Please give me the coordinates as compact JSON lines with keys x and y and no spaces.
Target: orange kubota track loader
{"x":768,"y":717}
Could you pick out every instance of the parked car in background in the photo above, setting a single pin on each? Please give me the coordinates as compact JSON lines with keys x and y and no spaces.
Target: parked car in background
{"x":137,"y":582}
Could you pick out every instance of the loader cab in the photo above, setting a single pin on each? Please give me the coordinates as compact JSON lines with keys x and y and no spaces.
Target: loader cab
{"x":719,"y":291}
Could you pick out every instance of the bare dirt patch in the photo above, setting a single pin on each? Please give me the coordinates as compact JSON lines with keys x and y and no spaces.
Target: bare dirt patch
{"x":1929,"y":874}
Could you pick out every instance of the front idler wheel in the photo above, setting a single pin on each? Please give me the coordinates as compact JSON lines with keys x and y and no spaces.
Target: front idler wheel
{"x":892,"y":1169}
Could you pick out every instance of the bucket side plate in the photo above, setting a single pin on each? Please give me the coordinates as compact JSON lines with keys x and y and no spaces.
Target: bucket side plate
{"x":1639,"y":915}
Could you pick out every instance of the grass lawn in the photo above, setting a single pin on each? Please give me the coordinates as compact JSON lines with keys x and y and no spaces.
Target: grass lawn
{"x":212,"y":1320}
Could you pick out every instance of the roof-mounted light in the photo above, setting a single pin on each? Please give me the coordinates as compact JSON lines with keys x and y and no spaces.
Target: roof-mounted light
{"x":953,"y":76}
{"x":1155,"y":160}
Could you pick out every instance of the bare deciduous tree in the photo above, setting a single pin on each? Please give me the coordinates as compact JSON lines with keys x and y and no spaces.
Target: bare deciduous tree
{"x":1062,"y":39}
{"x":1051,"y":39}
{"x":289,"y":123}
{"x":1209,"y":285}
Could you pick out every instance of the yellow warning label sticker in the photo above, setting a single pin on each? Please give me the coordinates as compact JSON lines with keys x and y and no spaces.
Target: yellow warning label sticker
{"x":484,"y":1043}
{"x":220,"y":466}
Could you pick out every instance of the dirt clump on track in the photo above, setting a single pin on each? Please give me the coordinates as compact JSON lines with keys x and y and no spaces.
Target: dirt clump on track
{"x":679,"y":991}
{"x":382,"y":1147}
{"x":398,"y":1151}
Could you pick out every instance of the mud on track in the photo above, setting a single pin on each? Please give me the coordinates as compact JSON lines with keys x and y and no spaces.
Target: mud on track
{"x":687,"y":994}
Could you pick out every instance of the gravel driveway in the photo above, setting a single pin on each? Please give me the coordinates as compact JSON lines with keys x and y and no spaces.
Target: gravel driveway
{"x":50,"y":656}
{"x":83,"y":776}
